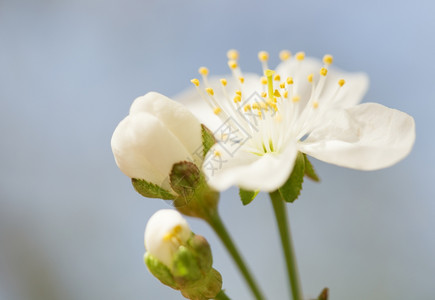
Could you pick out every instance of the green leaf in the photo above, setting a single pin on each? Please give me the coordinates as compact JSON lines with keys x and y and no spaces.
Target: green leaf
{"x":151,"y":190}
{"x":291,"y":189}
{"x":159,"y":270}
{"x":309,"y":170}
{"x":208,"y":139}
{"x":247,"y":196}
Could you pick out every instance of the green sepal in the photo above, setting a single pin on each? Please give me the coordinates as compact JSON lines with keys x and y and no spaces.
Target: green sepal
{"x":247,"y":196}
{"x":309,"y":170}
{"x":151,"y":190}
{"x":184,"y":178}
{"x":160,"y":271}
{"x":291,"y":189}
{"x":208,"y":139}
{"x":208,"y":287}
{"x":202,"y":252}
{"x":185,"y":267}
{"x":324,"y":295}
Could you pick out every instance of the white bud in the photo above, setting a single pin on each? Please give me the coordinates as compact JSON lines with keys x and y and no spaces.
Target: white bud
{"x":165,"y":232}
{"x":157,"y":133}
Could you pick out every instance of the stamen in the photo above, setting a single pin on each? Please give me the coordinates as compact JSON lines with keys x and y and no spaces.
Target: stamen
{"x":242,"y":79}
{"x":285,"y":94}
{"x":233,"y":54}
{"x":300,"y":56}
{"x":263,"y":80}
{"x":310,"y":78}
{"x":264,"y":94}
{"x":209,"y":91}
{"x":247,"y":107}
{"x":341,"y":82}
{"x":195,"y":81}
{"x":282,"y":85}
{"x":237,"y":99}
{"x":277,"y":77}
{"x":223,"y":82}
{"x":284,"y":55}
{"x":217,"y":110}
{"x":328,"y":59}
{"x":315,"y":104}
{"x":203,"y":71}
{"x":263,"y":56}
{"x":238,"y":92}
{"x":296,"y":99}
{"x":217,"y":153}
{"x":323,"y":71}
{"x":290,"y":80}
{"x":232,"y":64}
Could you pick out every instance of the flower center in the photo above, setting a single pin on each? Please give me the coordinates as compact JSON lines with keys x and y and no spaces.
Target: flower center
{"x":273,"y":109}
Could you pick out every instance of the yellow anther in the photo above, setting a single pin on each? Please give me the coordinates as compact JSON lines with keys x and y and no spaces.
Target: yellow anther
{"x":310,"y":78}
{"x":195,"y":81}
{"x":277,"y":77}
{"x":224,"y":82}
{"x":216,"y":153}
{"x":341,"y":82}
{"x":328,"y":59}
{"x":284,"y":55}
{"x":285,"y":94}
{"x":247,"y":107}
{"x":239,"y":92}
{"x":242,"y":79}
{"x":264,"y":94}
{"x":277,"y":94}
{"x":237,"y":99}
{"x":209,"y":91}
{"x":300,"y":55}
{"x":255,"y":105}
{"x":173,"y":233}
{"x":263,"y":105}
{"x":263,"y":56}
{"x":323,"y":71}
{"x":263,"y":80}
{"x":315,"y":104}
{"x":233,"y":54}
{"x":290,"y":80}
{"x":259,"y":114}
{"x":282,"y":85}
{"x":296,"y":98}
{"x":232,"y":64}
{"x":217,"y":110}
{"x":203,"y":71}
{"x":272,"y":104}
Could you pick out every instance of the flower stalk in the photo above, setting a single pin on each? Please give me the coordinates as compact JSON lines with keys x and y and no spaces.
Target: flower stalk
{"x":216,"y":223}
{"x":287,"y":244}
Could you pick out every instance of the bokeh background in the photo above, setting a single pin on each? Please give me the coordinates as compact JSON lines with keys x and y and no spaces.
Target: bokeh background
{"x":71,"y":226}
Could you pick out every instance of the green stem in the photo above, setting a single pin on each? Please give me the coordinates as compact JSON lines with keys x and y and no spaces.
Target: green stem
{"x":287,"y":244}
{"x":222,"y":296}
{"x":217,"y":225}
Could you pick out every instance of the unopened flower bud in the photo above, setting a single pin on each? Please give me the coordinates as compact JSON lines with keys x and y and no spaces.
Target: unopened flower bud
{"x":157,"y":133}
{"x":179,"y":258}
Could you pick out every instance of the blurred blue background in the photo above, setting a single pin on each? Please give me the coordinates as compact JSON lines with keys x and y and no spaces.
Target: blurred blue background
{"x":71,"y":225}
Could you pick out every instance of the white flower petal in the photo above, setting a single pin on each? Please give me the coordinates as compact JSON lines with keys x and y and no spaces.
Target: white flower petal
{"x":144,"y":148}
{"x":368,"y":136}
{"x":160,"y":227}
{"x":249,"y":171}
{"x":176,"y":117}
